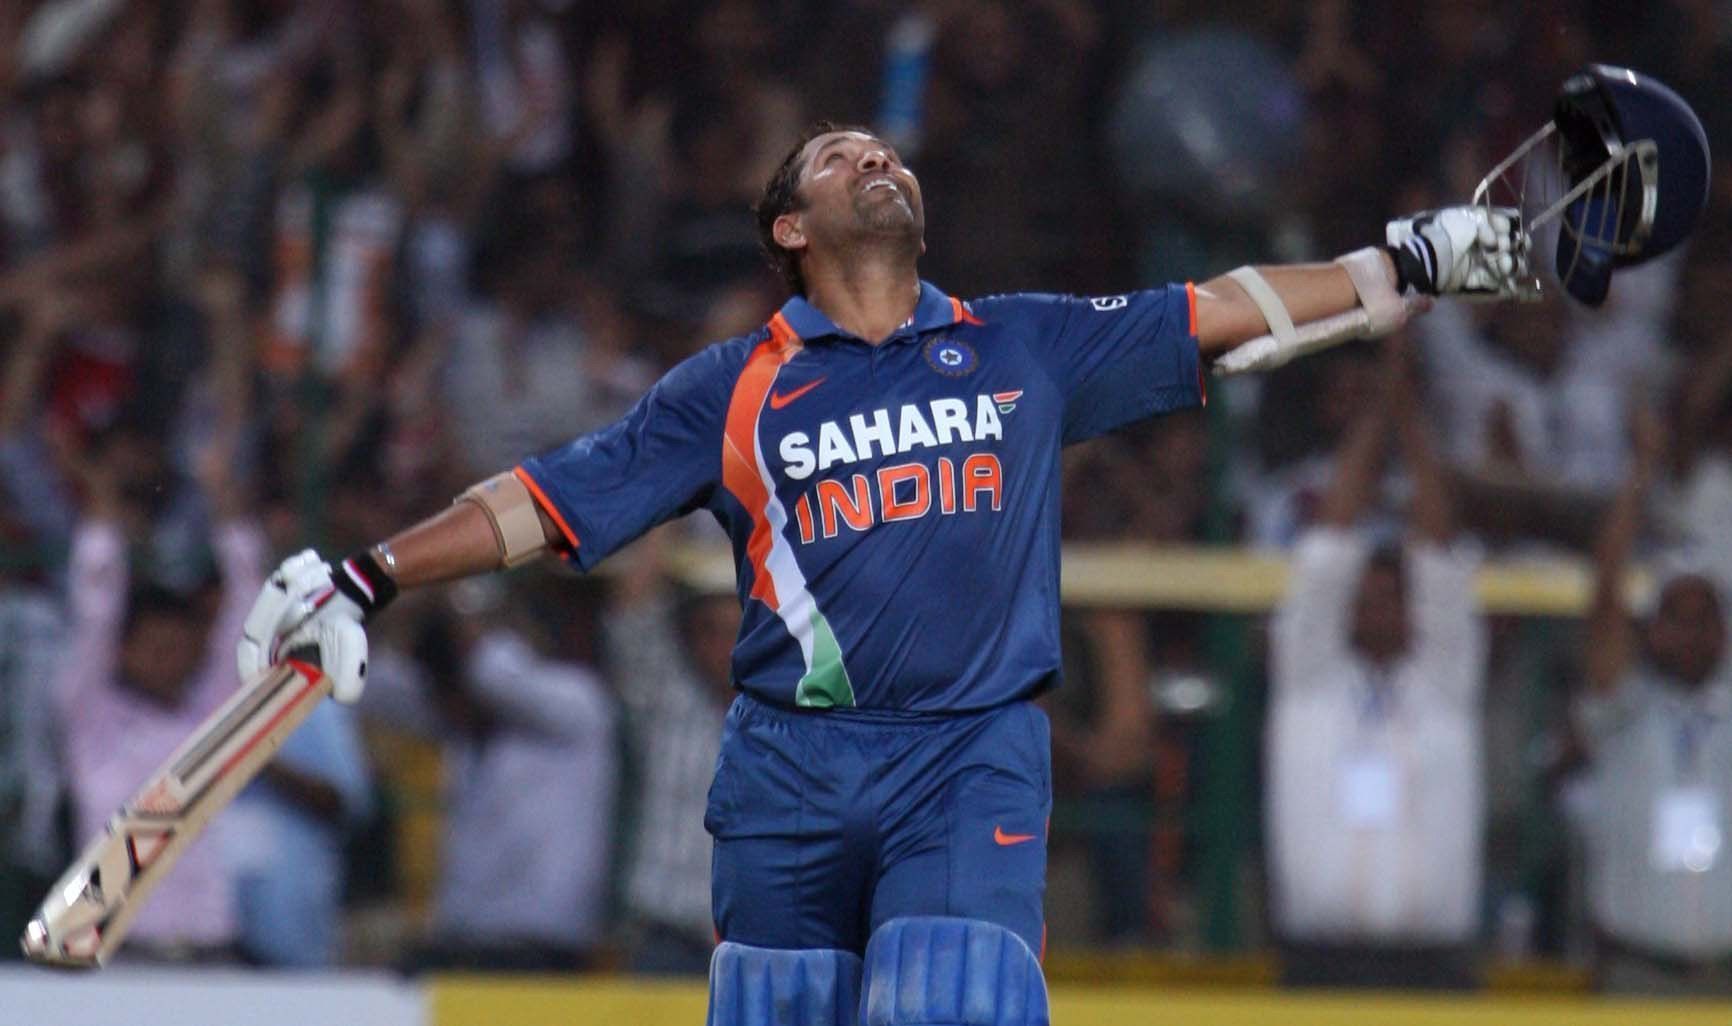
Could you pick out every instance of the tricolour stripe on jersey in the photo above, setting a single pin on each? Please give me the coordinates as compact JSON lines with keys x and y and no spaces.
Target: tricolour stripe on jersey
{"x":776,"y":577}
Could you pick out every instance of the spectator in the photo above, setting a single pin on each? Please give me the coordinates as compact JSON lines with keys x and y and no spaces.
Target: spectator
{"x":1006,"y":146}
{"x":1698,"y":498}
{"x":536,"y":365}
{"x":1657,"y":722}
{"x":34,"y":490}
{"x":687,"y":161}
{"x":1143,"y":484}
{"x":285,"y":837}
{"x":32,"y":781}
{"x":36,"y":519}
{"x":1106,"y":753}
{"x":670,"y":658}
{"x":1374,"y":783}
{"x":143,"y":666}
{"x":530,"y":768}
{"x":1307,"y":409}
{"x":526,"y":87}
{"x":338,"y":227}
{"x":1532,"y":401}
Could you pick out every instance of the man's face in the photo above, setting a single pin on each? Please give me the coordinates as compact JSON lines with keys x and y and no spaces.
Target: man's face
{"x":1380,"y":614}
{"x":159,"y":655}
{"x":854,"y":186}
{"x":1687,"y":636}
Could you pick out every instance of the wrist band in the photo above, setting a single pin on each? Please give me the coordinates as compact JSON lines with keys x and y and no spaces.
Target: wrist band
{"x":365,"y":583}
{"x":1396,"y":256}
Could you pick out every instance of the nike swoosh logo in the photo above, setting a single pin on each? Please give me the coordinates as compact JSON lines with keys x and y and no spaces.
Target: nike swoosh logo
{"x":1006,"y":840}
{"x":781,"y":399}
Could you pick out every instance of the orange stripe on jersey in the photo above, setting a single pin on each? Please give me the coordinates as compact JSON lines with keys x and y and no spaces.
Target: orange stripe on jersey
{"x":1202,"y":379}
{"x":960,"y":313}
{"x":740,"y":451}
{"x":547,"y":506}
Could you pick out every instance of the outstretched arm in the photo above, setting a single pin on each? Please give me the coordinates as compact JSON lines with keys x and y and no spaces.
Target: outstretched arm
{"x":1288,"y":311}
{"x":1611,"y":641}
{"x":308,"y":602}
{"x":656,"y":462}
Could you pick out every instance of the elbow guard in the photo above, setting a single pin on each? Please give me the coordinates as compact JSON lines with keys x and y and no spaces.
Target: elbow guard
{"x":511,"y":510}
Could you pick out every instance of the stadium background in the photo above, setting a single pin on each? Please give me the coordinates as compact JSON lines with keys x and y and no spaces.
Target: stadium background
{"x":261,"y":252}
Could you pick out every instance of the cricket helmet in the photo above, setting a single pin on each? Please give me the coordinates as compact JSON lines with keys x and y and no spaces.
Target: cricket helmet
{"x":1635,"y":163}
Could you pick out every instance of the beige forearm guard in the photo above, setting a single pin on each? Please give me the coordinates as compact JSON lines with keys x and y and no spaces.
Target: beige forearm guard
{"x":1381,"y":310}
{"x":511,"y":510}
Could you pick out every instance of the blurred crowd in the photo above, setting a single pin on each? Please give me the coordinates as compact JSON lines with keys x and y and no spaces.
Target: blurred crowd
{"x":283,"y":274}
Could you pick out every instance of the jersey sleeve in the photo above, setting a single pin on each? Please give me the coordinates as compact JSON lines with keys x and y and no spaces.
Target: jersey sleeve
{"x":1117,"y":359}
{"x":661,"y":460}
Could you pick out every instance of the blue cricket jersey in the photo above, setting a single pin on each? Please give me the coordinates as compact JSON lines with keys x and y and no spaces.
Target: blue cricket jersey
{"x":894,"y":509}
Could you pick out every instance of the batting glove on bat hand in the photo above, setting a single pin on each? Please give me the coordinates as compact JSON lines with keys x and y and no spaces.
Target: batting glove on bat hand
{"x":308,"y":602}
{"x":1470,"y":250}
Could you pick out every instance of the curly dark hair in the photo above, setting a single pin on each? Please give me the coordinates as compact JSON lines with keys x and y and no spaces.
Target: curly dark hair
{"x":781,"y":195}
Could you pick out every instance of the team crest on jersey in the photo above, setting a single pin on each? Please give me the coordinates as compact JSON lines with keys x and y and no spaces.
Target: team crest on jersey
{"x":951,"y":357}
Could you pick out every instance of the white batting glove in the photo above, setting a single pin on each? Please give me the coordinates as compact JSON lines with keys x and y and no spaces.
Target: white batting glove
{"x":306,"y":603}
{"x":1468,"y":250}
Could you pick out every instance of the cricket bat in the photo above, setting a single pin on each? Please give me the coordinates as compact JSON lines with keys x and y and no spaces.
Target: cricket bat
{"x":84,"y":919}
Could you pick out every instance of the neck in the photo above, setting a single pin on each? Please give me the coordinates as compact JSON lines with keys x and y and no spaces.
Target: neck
{"x":869,"y":296}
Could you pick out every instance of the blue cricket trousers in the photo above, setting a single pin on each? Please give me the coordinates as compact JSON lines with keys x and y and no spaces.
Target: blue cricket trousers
{"x":827,"y":823}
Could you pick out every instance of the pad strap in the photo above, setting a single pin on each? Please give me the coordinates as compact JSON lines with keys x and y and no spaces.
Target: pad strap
{"x":1268,"y":301}
{"x":511,"y":510}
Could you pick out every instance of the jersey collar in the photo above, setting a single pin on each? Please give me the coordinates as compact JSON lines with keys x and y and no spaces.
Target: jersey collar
{"x":933,"y":310}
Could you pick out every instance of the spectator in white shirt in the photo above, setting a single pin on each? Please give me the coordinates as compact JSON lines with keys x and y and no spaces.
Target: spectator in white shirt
{"x":1374,"y":790}
{"x":1696,"y":504}
{"x":531,"y":764}
{"x":1657,"y":724}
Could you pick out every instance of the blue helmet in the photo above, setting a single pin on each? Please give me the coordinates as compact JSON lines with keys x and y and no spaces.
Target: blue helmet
{"x":1639,"y":158}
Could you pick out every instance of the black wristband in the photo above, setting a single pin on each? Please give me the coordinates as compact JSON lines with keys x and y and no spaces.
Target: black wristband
{"x":1397,"y":255}
{"x":365,"y":582}
{"x":1415,"y":265}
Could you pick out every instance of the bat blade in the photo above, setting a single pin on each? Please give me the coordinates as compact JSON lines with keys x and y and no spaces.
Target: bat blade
{"x":87,"y":913}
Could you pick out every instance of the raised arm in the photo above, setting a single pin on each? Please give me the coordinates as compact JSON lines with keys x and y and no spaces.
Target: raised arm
{"x":1357,"y":465}
{"x":1289,"y":310}
{"x":1611,"y":639}
{"x":1432,"y":515}
{"x":1705,"y":388}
